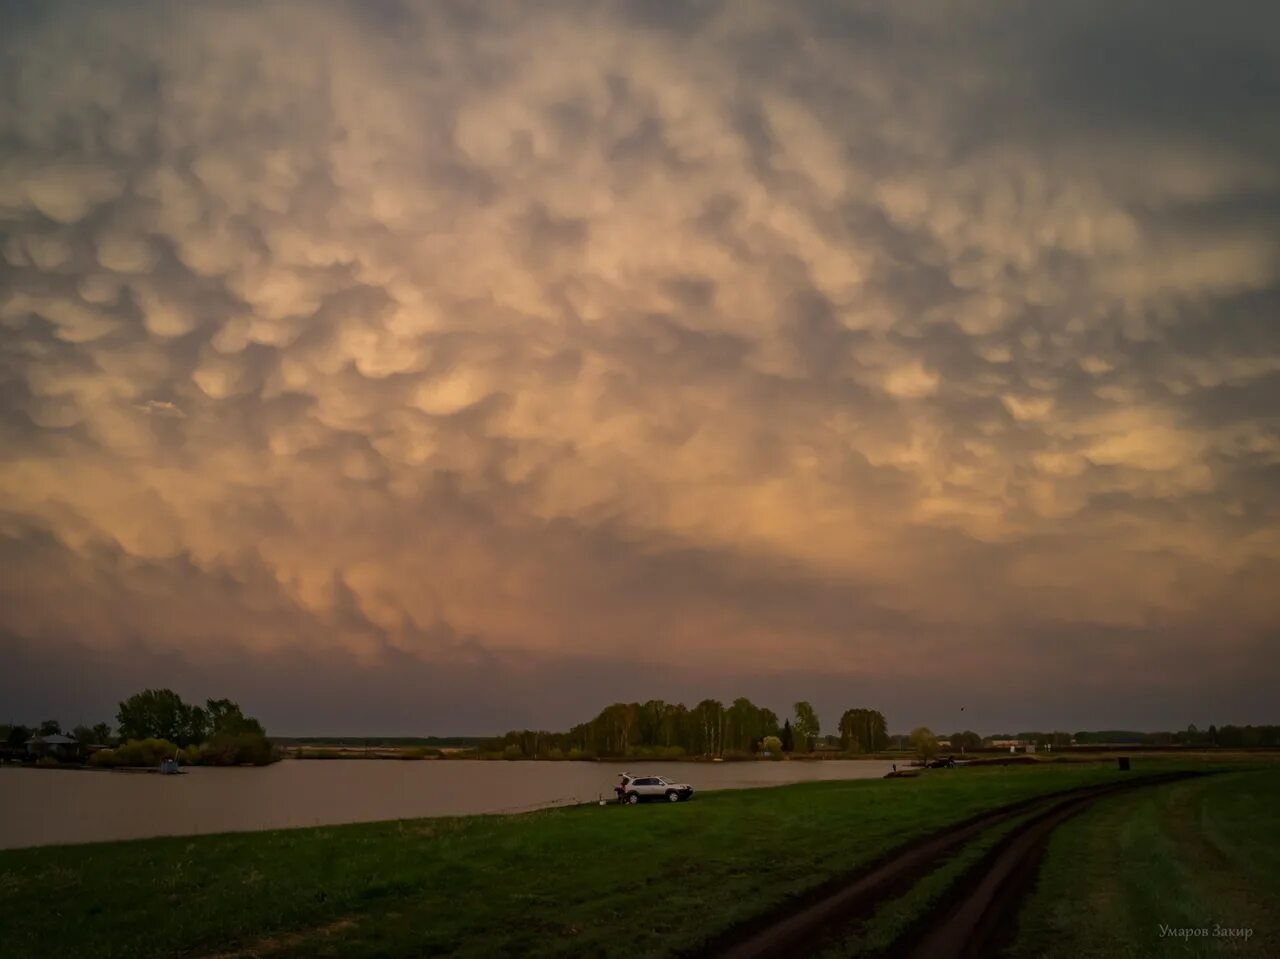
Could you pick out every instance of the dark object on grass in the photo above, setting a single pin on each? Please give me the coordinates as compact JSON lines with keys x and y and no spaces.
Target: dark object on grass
{"x":1123,"y":763}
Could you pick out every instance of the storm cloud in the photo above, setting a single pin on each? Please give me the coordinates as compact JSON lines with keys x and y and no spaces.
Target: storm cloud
{"x":446,"y":367}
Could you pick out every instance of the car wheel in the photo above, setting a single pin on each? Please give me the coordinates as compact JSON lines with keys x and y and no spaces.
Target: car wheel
{"x":633,"y":798}
{"x":673,"y":796}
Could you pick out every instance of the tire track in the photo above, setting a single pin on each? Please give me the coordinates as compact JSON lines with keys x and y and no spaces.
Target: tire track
{"x":800,"y":928}
{"x":979,"y":914}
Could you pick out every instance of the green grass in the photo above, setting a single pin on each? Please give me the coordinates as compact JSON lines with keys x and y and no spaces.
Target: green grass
{"x":590,"y":881}
{"x":875,"y":935}
{"x":1193,"y":855}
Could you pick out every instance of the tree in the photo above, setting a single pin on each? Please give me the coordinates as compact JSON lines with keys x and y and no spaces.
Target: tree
{"x":742,"y":725}
{"x":101,"y":733}
{"x":650,"y":722}
{"x":615,"y":728}
{"x":235,"y":738}
{"x":50,"y":727}
{"x":769,"y":722}
{"x":966,"y":741}
{"x":674,"y":719}
{"x":708,"y":719}
{"x":788,"y":737}
{"x":746,"y":724}
{"x":924,"y":742}
{"x":863,"y":731}
{"x":83,"y":735}
{"x":772,"y":745}
{"x":807,"y":728}
{"x":161,"y":714}
{"x":18,"y":735}
{"x":224,"y":716}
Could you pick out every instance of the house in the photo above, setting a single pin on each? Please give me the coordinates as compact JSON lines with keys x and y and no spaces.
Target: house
{"x":58,"y":746}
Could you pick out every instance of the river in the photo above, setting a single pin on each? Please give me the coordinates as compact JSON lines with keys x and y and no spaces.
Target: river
{"x":42,"y":806}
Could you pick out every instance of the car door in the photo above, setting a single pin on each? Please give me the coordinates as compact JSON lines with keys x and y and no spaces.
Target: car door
{"x":647,"y":787}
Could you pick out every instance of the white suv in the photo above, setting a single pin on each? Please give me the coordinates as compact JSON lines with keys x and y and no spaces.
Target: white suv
{"x":655,"y":787}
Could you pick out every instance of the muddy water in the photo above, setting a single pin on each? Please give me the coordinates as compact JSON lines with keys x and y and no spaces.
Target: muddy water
{"x":40,"y":806}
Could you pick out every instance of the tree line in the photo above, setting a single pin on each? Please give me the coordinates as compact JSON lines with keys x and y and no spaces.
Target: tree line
{"x":158,"y":723}
{"x":1229,"y":736}
{"x":660,"y":729}
{"x":15,"y":735}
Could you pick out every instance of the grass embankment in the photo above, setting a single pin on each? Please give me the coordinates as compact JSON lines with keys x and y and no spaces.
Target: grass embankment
{"x":876,"y":934}
{"x":597,"y":881}
{"x":1197,"y":855}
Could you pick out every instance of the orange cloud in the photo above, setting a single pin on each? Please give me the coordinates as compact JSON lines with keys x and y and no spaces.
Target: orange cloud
{"x":747,"y":340}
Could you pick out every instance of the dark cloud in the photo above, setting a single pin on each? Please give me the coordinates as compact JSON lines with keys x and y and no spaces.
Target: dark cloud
{"x":505,"y":362}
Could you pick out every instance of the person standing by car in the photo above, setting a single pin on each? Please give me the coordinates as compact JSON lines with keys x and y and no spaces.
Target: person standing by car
{"x":621,"y":788}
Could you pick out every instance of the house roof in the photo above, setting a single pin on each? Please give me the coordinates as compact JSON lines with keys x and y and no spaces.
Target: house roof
{"x":55,"y":740}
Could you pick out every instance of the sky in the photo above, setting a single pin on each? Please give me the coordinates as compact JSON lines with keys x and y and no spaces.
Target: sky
{"x":448,"y":368}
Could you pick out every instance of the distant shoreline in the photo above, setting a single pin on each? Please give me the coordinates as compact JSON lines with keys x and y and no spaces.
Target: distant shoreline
{"x":1088,"y":753}
{"x":455,"y":754}
{"x":906,"y":760}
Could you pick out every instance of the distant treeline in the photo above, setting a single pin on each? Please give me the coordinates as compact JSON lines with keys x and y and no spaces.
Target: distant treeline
{"x":151,"y":725}
{"x":1229,"y":736}
{"x":389,"y":742}
{"x":1225,"y":736}
{"x":660,"y":729}
{"x":16,"y":735}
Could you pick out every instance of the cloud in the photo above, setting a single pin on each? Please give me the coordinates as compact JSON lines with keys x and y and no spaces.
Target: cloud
{"x":734,"y":340}
{"x":161,"y":408}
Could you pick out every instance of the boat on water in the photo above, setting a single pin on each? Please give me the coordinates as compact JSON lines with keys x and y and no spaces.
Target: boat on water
{"x":169,"y":767}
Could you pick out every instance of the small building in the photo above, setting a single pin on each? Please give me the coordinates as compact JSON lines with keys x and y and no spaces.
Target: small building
{"x":1013,"y":745}
{"x":60,"y":747}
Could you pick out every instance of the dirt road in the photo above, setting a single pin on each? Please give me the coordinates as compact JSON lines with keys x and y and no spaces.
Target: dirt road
{"x":976,"y":914}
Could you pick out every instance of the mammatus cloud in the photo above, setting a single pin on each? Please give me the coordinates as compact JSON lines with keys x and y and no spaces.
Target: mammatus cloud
{"x":161,"y":408}
{"x":739,"y":341}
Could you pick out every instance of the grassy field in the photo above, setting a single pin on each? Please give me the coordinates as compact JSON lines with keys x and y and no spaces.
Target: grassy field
{"x":1196,"y":855}
{"x":597,"y":881}
{"x":876,"y":934}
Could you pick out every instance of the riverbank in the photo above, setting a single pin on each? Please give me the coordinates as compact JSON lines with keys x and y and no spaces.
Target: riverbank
{"x":322,"y":750}
{"x":426,"y":752}
{"x":588,"y":880}
{"x":295,"y":794}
